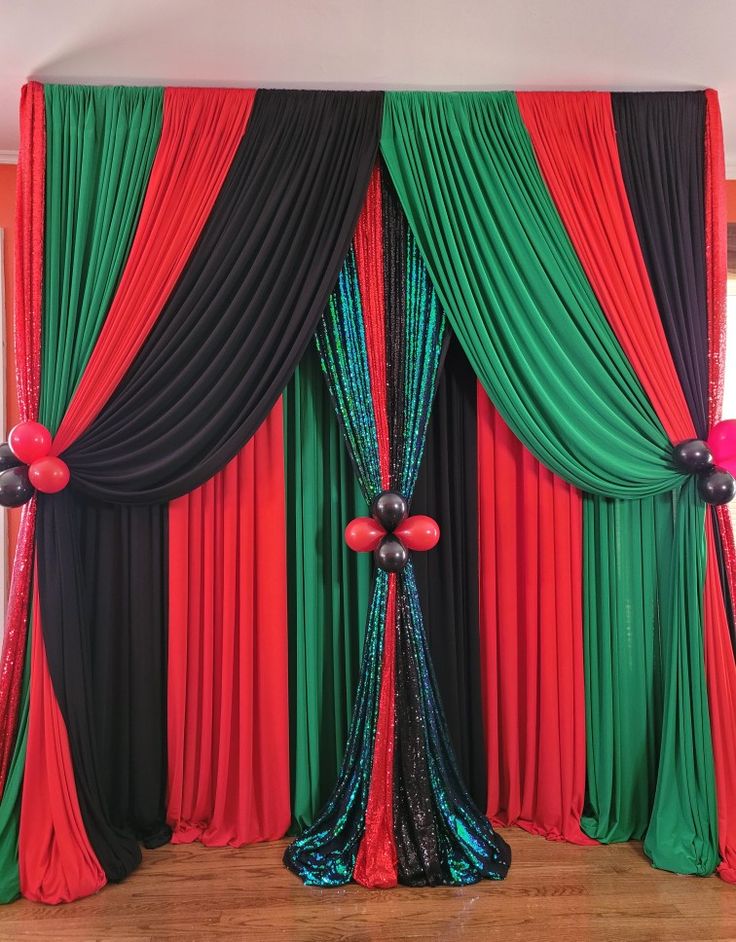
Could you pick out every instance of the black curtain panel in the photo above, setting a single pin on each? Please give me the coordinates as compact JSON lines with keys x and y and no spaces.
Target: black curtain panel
{"x":447,"y":577}
{"x":124,"y":553}
{"x":226,"y":343}
{"x":661,"y":144}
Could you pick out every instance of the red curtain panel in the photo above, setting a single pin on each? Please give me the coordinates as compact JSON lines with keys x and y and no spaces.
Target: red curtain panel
{"x":27,"y":338}
{"x":56,"y":861}
{"x":719,"y":661}
{"x":228,"y":718}
{"x":531,"y":635}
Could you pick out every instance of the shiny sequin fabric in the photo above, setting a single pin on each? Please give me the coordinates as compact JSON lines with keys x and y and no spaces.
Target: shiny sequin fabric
{"x":399,"y":812}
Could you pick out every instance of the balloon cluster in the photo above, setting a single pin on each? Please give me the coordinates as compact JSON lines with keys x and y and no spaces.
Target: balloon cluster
{"x":26,"y":465}
{"x":389,"y":534}
{"x":713,"y":461}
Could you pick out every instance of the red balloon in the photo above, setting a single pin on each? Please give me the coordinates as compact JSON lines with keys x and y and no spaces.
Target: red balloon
{"x":418,"y":532}
{"x":363,"y":534}
{"x":29,"y":440}
{"x":49,"y":474}
{"x":722,"y":442}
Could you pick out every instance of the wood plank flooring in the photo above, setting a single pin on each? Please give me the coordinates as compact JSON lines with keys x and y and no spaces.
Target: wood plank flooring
{"x":554,"y":892}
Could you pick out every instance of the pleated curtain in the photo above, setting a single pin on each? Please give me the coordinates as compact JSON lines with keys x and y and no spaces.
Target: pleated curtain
{"x":184,"y":644}
{"x":228,"y":742}
{"x":530,"y":533}
{"x":535,"y":332}
{"x":328,"y":588}
{"x":86,"y":838}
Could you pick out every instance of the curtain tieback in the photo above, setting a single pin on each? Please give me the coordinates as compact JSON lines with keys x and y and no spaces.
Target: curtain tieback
{"x":389,"y":533}
{"x":26,"y":465}
{"x":711,"y":461}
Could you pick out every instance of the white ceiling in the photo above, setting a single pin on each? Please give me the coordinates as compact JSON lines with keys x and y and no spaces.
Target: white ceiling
{"x":518,"y":44}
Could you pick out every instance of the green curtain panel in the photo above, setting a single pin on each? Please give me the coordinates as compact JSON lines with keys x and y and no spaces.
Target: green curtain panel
{"x":518,"y":300}
{"x":645,"y":683}
{"x":623,"y":638}
{"x":328,"y":588}
{"x":10,"y":803}
{"x":100,"y":145}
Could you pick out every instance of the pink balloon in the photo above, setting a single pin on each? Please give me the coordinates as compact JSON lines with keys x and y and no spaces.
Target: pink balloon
{"x":364,"y":534}
{"x":722,"y":442}
{"x":418,"y":532}
{"x":29,"y":440}
{"x":49,"y":474}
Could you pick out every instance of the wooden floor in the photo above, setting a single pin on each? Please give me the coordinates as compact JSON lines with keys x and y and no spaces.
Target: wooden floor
{"x":554,"y":892}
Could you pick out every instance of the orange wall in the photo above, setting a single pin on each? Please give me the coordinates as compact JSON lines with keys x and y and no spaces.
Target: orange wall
{"x":731,"y":200}
{"x":7,"y":224}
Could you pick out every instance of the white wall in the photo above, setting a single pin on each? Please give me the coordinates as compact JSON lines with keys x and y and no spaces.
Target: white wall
{"x":516,"y":44}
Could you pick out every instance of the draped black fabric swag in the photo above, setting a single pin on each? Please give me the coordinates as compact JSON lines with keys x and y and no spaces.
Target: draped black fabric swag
{"x":225,"y":345}
{"x":246,"y":305}
{"x":661,"y":144}
{"x":660,"y":139}
{"x":447,"y":578}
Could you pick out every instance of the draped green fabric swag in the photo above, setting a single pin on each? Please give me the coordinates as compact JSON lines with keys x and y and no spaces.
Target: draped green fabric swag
{"x":519,"y":301}
{"x":100,"y":145}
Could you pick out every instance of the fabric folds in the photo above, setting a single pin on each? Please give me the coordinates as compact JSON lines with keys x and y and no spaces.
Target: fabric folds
{"x":329,"y":588}
{"x":515,"y":292}
{"x":228,"y":733}
{"x":294,"y":215}
{"x":520,"y":303}
{"x":587,"y":185}
{"x":447,"y":578}
{"x":94,"y":135}
{"x":531,"y":629}
{"x":671,"y":182}
{"x":399,"y":811}
{"x":15,"y":672}
{"x":661,"y":147}
{"x":27,"y":338}
{"x":122,"y":550}
{"x":241,"y":315}
{"x":201,"y":130}
{"x":91,"y":133}
{"x":177,"y":251}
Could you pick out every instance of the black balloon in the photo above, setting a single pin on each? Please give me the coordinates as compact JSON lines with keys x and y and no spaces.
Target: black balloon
{"x":7,"y":458}
{"x":15,"y":488}
{"x":717,"y":486}
{"x":389,"y":509}
{"x":692,"y":456}
{"x":391,"y":555}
